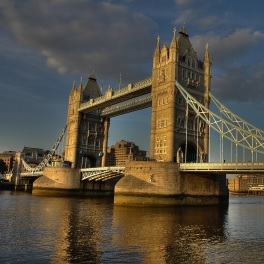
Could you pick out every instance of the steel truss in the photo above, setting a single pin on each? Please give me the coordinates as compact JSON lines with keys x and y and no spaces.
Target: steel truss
{"x":45,"y":161}
{"x":236,"y":119}
{"x":234,"y":128}
{"x":102,"y":173}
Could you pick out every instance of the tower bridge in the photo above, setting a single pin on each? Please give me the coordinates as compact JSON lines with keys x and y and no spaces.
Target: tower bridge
{"x":179,"y":94}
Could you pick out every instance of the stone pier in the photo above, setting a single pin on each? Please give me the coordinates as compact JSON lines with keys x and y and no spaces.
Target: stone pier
{"x":162,"y":184}
{"x":57,"y":181}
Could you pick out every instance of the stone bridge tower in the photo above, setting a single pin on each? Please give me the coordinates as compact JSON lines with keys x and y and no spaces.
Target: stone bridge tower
{"x":177,"y":134}
{"x":85,"y":131}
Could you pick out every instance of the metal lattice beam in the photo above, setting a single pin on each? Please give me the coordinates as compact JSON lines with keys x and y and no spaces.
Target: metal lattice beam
{"x":48,"y":157}
{"x":236,"y":119}
{"x":233,"y":128}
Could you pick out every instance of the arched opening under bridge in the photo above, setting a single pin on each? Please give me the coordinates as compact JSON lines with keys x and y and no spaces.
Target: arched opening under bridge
{"x":88,"y":161}
{"x":189,"y":156}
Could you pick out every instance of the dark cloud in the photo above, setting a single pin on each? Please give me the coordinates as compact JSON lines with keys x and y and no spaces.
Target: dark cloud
{"x":46,"y":45}
{"x":240,"y":84}
{"x":236,"y":71}
{"x":82,"y":36}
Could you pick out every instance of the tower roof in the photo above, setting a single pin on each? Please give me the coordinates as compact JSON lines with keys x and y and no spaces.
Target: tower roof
{"x":183,"y":31}
{"x":184,"y":43}
{"x":91,"y":89}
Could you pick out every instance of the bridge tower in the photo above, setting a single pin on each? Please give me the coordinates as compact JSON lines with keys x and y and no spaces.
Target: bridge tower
{"x":177,"y":134}
{"x":85,"y":133}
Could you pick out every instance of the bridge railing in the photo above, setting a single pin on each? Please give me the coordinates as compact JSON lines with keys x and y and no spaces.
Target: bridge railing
{"x":232,"y":167}
{"x":110,"y":168}
{"x":31,"y":174}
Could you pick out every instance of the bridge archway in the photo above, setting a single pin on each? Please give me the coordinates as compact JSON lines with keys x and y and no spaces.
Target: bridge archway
{"x":88,"y":161}
{"x":191,"y":154}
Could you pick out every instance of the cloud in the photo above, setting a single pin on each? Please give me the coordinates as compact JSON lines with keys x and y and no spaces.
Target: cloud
{"x":240,"y":84}
{"x":82,"y":36}
{"x":236,"y":72}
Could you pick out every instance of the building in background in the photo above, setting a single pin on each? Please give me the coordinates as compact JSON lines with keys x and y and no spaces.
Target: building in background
{"x":33,"y":155}
{"x":9,"y":158}
{"x":247,"y":183}
{"x":122,"y":152}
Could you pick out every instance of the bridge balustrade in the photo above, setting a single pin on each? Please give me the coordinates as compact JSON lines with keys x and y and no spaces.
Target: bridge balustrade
{"x":224,"y":167}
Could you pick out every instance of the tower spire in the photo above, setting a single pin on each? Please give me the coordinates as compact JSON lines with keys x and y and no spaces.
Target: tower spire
{"x":206,"y":55}
{"x":156,"y":56}
{"x":81,"y":80}
{"x":157,"y":50}
{"x":184,"y":31}
{"x":173,"y":42}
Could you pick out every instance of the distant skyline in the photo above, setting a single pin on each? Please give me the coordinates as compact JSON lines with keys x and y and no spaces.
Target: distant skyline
{"x":48,"y":45}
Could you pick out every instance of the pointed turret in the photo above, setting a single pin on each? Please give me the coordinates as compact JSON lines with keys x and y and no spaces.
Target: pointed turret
{"x":173,"y":46}
{"x":206,"y":55}
{"x":207,"y":86}
{"x":73,"y":87}
{"x":174,"y":40}
{"x":81,"y":83}
{"x":156,"y":57}
{"x":207,"y":68}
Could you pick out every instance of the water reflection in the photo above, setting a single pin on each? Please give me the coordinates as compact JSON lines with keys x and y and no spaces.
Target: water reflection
{"x":83,"y":229}
{"x":95,"y":231}
{"x":75,"y":230}
{"x":169,"y":235}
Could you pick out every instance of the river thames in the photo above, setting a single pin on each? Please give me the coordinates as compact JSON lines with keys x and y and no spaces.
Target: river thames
{"x":83,"y":230}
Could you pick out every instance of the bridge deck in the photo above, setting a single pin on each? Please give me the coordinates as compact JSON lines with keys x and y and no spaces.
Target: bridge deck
{"x":224,"y":167}
{"x":102,"y":173}
{"x":106,"y":173}
{"x":131,"y":91}
{"x":35,"y":174}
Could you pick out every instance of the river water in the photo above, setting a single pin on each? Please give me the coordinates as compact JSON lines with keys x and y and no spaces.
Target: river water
{"x":83,"y":230}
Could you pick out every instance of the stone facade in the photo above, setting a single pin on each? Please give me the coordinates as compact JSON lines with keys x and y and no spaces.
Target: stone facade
{"x":177,"y":133}
{"x":171,"y":120}
{"x":67,"y":182}
{"x":57,"y":180}
{"x":85,"y":131}
{"x":161,"y":183}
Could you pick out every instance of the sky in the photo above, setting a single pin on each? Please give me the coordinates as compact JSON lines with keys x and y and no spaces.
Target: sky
{"x":46,"y":46}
